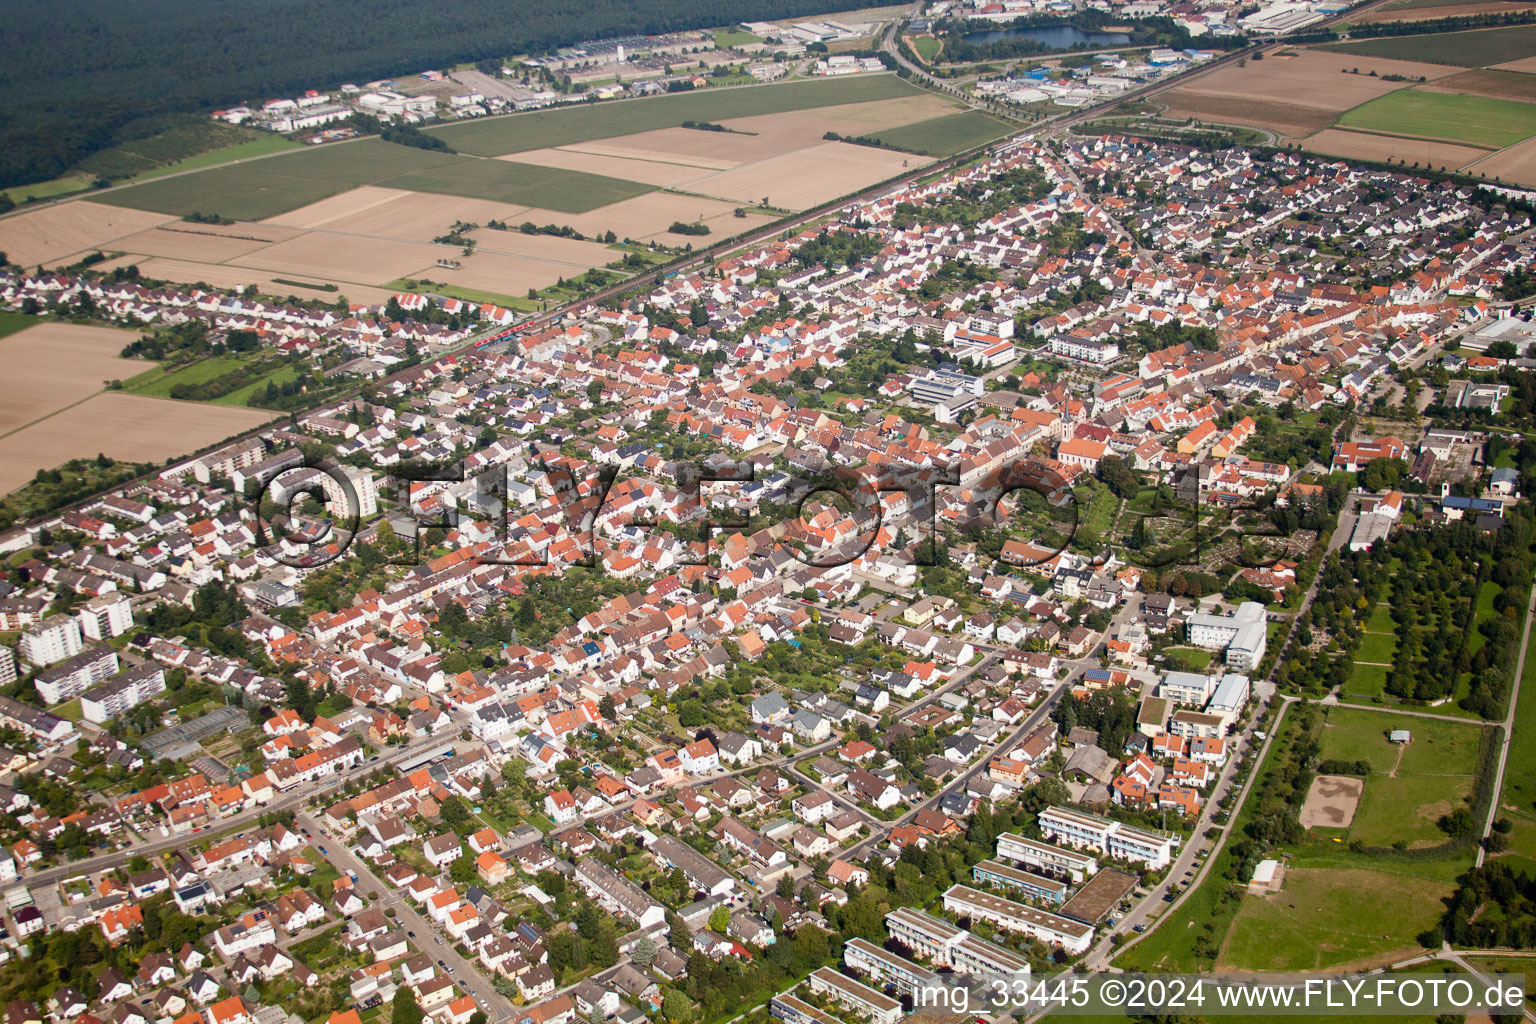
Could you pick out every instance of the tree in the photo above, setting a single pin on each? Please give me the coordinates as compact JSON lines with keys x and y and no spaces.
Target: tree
{"x":404,"y":1008}
{"x":607,"y":707}
{"x":643,"y":952}
{"x":455,"y":815}
{"x":720,"y":919}
{"x":1118,"y":477}
{"x":676,"y":1007}
{"x":690,"y":713}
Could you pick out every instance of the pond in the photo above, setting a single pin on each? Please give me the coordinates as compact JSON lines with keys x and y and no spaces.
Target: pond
{"x":1057,"y":37}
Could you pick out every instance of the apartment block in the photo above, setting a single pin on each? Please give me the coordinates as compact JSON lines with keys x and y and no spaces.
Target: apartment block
{"x":71,"y":678}
{"x":1009,"y":915}
{"x":1117,"y":839}
{"x":1079,"y":867}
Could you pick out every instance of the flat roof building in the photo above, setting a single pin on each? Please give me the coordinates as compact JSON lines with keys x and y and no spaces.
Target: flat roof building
{"x":1045,"y":857}
{"x":1052,"y":929}
{"x":1114,"y":838}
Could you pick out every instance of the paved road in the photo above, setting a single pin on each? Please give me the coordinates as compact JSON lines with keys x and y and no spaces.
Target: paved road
{"x":466,"y":973}
{"x":287,"y":801}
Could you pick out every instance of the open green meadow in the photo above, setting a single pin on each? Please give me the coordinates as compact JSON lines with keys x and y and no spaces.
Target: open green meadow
{"x":945,"y":135}
{"x":1517,"y":801}
{"x":517,"y":133}
{"x":1410,"y":786}
{"x":725,"y":38}
{"x":1325,"y":918}
{"x":1376,"y":648}
{"x":1435,"y":115}
{"x":1480,"y":48}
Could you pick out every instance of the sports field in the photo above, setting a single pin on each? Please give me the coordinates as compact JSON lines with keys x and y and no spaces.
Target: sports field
{"x":1475,"y":119}
{"x":1480,"y":48}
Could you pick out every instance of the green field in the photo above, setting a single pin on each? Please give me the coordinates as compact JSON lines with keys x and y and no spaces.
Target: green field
{"x":945,"y":135}
{"x":1324,"y":918}
{"x":46,"y":189}
{"x":1410,"y":787}
{"x":734,"y":36}
{"x":157,"y":383}
{"x":1366,"y":681}
{"x":1477,"y":49}
{"x":1434,"y":115}
{"x":549,"y":188}
{"x":10,"y":323}
{"x":1376,"y":647}
{"x":497,"y":136}
{"x":927,"y":47}
{"x":1517,"y":802}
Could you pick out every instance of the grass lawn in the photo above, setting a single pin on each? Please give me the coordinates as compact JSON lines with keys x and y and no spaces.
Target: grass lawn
{"x":10,"y":323}
{"x":467,"y":294}
{"x":47,"y":189}
{"x":1477,"y":49}
{"x":69,"y":710}
{"x":1482,"y":611}
{"x":945,"y":135}
{"x":497,"y":136}
{"x":263,"y":146}
{"x":1322,"y":919}
{"x":1196,"y":657}
{"x":1367,"y":680}
{"x":1381,"y":616}
{"x":1517,"y":802}
{"x":734,"y":36}
{"x":1434,"y":115}
{"x":1403,"y":798}
{"x":1376,"y":647}
{"x":927,"y":47}
{"x":157,"y":383}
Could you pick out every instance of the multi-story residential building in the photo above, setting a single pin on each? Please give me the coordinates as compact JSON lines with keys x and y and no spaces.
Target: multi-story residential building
{"x":105,"y":702}
{"x":107,"y":616}
{"x":1036,"y":887}
{"x":70,"y":679}
{"x":1115,"y":838}
{"x":54,"y":639}
{"x":886,"y":967}
{"x":949,"y":945}
{"x":855,"y":996}
{"x":1049,"y":928}
{"x":1242,"y":635}
{"x":7,"y":666}
{"x":1085,"y":350}
{"x":1045,"y":857}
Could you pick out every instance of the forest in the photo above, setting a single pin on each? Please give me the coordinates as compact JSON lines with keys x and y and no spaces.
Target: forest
{"x":94,"y":73}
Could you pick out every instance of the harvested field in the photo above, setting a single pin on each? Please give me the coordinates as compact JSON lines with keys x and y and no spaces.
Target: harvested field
{"x":394,"y":213}
{"x":49,"y":366}
{"x":43,"y":235}
{"x":221,"y":275}
{"x":123,"y":426}
{"x":1472,"y":119}
{"x":1498,"y":85}
{"x":1437,"y":9}
{"x":650,"y":172}
{"x":1366,"y":146}
{"x":1480,"y":48}
{"x":649,"y":215}
{"x":201,"y":243}
{"x":1291,"y":120}
{"x":545,"y":129}
{"x":809,"y":176}
{"x":320,"y":256}
{"x":502,"y":273}
{"x":548,"y":248}
{"x":716,"y":151}
{"x":852,"y":118}
{"x":1294,"y":97}
{"x":1332,"y":801}
{"x":1517,"y":164}
{"x":1525,"y":64}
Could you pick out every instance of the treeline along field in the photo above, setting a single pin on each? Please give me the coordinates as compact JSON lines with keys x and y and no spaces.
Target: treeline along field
{"x":80,"y":76}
